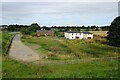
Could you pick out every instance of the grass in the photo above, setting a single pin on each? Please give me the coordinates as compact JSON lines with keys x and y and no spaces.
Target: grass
{"x":58,"y":49}
{"x":100,"y":33}
{"x":6,"y":40}
{"x":94,"y":69}
{"x":0,"y":42}
{"x":55,"y":49}
{"x":0,"y":54}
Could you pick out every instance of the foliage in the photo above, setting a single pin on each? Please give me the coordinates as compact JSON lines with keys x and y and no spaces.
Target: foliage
{"x":33,"y":34}
{"x":6,"y":39}
{"x":34,"y":27}
{"x":59,"y":33}
{"x":24,"y":29}
{"x":17,"y":27}
{"x":114,"y":33}
{"x":31,"y":30}
{"x":80,"y":28}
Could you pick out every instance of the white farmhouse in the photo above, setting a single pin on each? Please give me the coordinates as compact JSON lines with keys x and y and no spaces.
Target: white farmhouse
{"x":78,"y":35}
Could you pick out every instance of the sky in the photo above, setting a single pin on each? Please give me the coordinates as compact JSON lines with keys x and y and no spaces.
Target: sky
{"x":59,"y":13}
{"x":119,"y":8}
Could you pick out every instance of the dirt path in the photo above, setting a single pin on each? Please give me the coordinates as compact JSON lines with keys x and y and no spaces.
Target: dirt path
{"x":19,"y":51}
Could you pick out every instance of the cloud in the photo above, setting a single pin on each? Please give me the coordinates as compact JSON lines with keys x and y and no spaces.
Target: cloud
{"x":60,"y":0}
{"x":33,"y":11}
{"x":59,"y":8}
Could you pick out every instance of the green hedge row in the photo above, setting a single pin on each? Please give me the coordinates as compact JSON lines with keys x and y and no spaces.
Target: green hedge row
{"x":6,"y":42}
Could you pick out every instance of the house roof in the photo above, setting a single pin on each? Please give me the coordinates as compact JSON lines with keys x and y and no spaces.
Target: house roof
{"x":78,"y":32}
{"x":87,"y":33}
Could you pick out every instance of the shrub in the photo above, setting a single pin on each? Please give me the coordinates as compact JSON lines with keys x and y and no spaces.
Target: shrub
{"x":114,"y":33}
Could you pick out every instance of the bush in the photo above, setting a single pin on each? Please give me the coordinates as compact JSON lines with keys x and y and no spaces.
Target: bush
{"x":33,"y":34}
{"x":114,"y":33}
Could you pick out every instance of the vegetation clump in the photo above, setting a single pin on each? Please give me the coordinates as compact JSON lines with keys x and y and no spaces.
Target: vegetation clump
{"x":114,"y":33}
{"x":6,"y":41}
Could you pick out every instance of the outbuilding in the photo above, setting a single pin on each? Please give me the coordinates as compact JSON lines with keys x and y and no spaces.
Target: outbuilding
{"x":45,"y":33}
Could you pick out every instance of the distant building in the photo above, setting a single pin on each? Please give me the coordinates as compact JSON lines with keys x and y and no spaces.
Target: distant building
{"x":45,"y":33}
{"x":3,"y":27}
{"x":78,"y":35}
{"x":119,"y":8}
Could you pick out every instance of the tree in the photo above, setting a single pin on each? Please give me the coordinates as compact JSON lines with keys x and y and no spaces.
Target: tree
{"x":93,"y":27}
{"x":34,"y":27}
{"x":97,"y":28}
{"x":87,"y":28}
{"x":83,"y":27}
{"x":113,"y":36}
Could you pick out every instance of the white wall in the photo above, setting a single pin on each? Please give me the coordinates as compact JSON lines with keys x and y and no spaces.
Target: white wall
{"x":73,"y":35}
{"x":80,"y":35}
{"x":90,"y":35}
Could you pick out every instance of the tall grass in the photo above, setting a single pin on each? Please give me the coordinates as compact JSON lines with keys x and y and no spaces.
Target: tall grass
{"x":93,"y":48}
{"x":74,"y":48}
{"x":48,"y":44}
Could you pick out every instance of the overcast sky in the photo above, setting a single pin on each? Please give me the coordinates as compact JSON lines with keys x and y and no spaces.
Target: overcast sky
{"x":60,"y":0}
{"x":59,"y":13}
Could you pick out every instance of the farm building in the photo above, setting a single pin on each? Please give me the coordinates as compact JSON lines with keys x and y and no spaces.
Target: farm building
{"x":78,"y":35}
{"x":45,"y":33}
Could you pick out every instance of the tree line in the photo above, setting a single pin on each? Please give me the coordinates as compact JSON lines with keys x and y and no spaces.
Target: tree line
{"x":31,"y":29}
{"x":113,"y":36}
{"x":35,"y":26}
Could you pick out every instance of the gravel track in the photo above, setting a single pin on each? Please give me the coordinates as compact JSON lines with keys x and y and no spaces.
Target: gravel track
{"x":20,"y":51}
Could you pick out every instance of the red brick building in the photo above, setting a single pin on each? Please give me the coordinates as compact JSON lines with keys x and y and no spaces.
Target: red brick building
{"x":45,"y":33}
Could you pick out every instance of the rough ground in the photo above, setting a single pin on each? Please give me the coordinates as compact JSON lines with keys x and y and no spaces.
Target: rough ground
{"x":19,"y":51}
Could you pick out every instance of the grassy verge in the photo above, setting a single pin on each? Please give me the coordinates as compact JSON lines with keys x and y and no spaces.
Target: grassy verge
{"x":0,"y":54}
{"x":0,"y":42}
{"x":6,"y":41}
{"x":94,"y":69}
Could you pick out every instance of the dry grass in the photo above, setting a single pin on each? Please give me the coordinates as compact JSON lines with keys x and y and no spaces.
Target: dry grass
{"x":100,"y":33}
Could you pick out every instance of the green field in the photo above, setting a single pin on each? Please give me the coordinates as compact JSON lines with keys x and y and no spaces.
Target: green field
{"x":94,"y":69}
{"x":65,"y":50}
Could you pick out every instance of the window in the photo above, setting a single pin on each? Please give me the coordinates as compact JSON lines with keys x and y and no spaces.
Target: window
{"x":77,"y":37}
